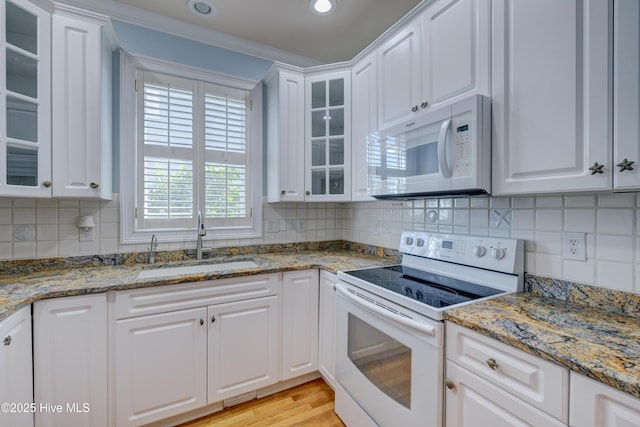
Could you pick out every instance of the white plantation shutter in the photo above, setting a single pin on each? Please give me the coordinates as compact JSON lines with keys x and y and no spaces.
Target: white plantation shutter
{"x":226,"y":156}
{"x":193,"y":154}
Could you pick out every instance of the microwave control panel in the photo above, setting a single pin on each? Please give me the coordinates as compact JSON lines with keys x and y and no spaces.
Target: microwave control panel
{"x":462,"y":145}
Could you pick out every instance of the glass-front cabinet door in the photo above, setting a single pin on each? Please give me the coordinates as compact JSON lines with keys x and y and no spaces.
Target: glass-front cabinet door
{"x":25,"y":102}
{"x":328,"y":137}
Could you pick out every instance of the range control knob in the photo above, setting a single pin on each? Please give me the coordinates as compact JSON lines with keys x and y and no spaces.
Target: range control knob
{"x":420,"y":243}
{"x":408,"y":241}
{"x":497,"y":253}
{"x":479,"y":251}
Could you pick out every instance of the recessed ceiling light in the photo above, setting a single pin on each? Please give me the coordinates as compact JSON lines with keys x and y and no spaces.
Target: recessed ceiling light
{"x":201,"y":8}
{"x":322,"y":7}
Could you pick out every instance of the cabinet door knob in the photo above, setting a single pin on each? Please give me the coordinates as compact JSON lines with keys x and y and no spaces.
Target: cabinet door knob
{"x":449,"y":384}
{"x":493,"y":364}
{"x":596,"y":168}
{"x":7,"y":340}
{"x":625,"y":165}
{"x":213,"y":319}
{"x":415,"y":108}
{"x":201,"y":322}
{"x":94,"y":185}
{"x":46,"y":184}
{"x":307,"y":192}
{"x":283,"y":192}
{"x":425,"y":104}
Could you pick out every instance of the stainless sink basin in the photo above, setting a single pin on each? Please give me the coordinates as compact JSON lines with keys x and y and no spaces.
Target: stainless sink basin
{"x":154,"y":273}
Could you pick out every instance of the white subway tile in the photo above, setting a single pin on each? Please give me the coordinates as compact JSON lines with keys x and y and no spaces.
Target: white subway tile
{"x":522,"y":219}
{"x":614,"y":248}
{"x":579,"y":271}
{"x":548,"y":242}
{"x":616,"y":200}
{"x":580,"y":220}
{"x":549,"y":201}
{"x":522,"y":202}
{"x":549,"y":219}
{"x":615,"y":275}
{"x":548,"y":265}
{"x":581,"y":201}
{"x":615,"y":221}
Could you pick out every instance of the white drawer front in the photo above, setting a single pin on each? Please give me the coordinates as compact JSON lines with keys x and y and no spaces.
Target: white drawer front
{"x":595,"y":404}
{"x":161,"y":299}
{"x":542,"y":384}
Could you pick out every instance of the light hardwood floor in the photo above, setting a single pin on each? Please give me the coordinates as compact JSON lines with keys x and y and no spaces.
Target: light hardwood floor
{"x":309,"y":404}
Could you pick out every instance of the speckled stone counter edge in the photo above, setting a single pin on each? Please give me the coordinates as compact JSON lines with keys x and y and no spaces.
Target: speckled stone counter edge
{"x":610,"y":300}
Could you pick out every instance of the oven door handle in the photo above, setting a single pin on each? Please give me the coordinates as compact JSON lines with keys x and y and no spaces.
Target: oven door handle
{"x":425,"y":329}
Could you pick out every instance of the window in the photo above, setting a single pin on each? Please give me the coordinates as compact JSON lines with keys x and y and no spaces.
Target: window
{"x":197,"y":148}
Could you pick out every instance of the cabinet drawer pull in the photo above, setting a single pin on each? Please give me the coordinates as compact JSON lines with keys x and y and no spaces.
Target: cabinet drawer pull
{"x":307,"y":192}
{"x":449,"y":384}
{"x":283,"y":192}
{"x":7,"y":340}
{"x":94,"y":185}
{"x":425,"y":104}
{"x":415,"y":108}
{"x":213,"y":319}
{"x":46,"y":184}
{"x":201,"y":322}
{"x":596,"y":168}
{"x":493,"y":364}
{"x":625,"y":165}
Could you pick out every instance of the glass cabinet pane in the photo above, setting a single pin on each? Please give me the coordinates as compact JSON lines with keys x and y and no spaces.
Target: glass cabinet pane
{"x":22,"y":74}
{"x":318,"y":182}
{"x":22,"y":120}
{"x":318,"y":124}
{"x":336,"y":124}
{"x":318,"y":95}
{"x":336,"y":181}
{"x":22,"y":28}
{"x":336,"y":92}
{"x":318,"y":153}
{"x":336,"y":152}
{"x":22,"y":166}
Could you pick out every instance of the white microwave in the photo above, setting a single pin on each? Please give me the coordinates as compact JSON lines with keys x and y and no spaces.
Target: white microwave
{"x":443,"y":152}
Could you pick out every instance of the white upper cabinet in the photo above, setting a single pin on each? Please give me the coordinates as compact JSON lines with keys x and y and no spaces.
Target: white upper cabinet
{"x":399,"y":77}
{"x":364,"y":121}
{"x":456,"y":50}
{"x":626,"y":95}
{"x":285,"y":135}
{"x":25,"y":100}
{"x":441,"y":55}
{"x":550,"y":89}
{"x":328,"y":137}
{"x":81,"y":129}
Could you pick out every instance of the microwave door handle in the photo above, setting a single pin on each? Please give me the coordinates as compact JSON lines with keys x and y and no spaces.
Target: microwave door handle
{"x":425,"y":329}
{"x":442,"y":149}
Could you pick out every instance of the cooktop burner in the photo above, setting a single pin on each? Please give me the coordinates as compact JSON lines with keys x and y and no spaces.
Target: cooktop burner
{"x":432,"y":289}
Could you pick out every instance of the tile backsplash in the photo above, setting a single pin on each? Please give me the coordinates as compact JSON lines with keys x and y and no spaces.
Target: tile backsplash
{"x":42,"y":228}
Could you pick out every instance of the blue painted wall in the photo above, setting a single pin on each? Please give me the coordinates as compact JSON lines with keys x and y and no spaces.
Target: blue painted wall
{"x":143,"y":41}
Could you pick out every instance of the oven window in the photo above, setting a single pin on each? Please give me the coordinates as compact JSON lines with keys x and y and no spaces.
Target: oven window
{"x":381,"y":359}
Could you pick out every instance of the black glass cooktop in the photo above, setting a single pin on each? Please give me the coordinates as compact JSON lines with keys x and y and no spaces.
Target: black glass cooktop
{"x":431,"y":289}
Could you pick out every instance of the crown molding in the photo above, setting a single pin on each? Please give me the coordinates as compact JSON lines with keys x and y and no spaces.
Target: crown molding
{"x":153,"y":21}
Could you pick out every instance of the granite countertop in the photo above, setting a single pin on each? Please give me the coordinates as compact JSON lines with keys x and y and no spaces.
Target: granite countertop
{"x":24,"y":287}
{"x":599,"y":344}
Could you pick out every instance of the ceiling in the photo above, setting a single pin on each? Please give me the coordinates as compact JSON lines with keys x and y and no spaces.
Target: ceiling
{"x":290,"y":26}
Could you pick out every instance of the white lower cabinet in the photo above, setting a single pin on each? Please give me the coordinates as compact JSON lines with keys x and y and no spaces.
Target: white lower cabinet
{"x":500,"y":385}
{"x":160,"y":363}
{"x":327,"y":327}
{"x":594,"y":404}
{"x":16,"y":370}
{"x":70,"y":361}
{"x":244,"y":354}
{"x":181,"y":347}
{"x":299,"y":323}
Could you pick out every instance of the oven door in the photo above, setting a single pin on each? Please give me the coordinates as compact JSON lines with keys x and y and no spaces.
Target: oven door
{"x":389,"y":364}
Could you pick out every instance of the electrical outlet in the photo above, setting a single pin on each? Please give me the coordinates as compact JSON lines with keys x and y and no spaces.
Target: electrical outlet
{"x":574,"y":246}
{"x":86,"y":236}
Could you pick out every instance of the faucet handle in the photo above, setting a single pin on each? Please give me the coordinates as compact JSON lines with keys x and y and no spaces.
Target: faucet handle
{"x":201,"y":230}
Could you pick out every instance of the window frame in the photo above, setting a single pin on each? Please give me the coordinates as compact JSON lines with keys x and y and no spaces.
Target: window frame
{"x":129,"y":231}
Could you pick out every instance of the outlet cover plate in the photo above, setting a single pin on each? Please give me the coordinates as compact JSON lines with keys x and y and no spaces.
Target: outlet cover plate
{"x":574,"y":246}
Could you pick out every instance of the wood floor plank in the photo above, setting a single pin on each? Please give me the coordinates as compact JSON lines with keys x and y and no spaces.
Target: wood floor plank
{"x":309,"y":404}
